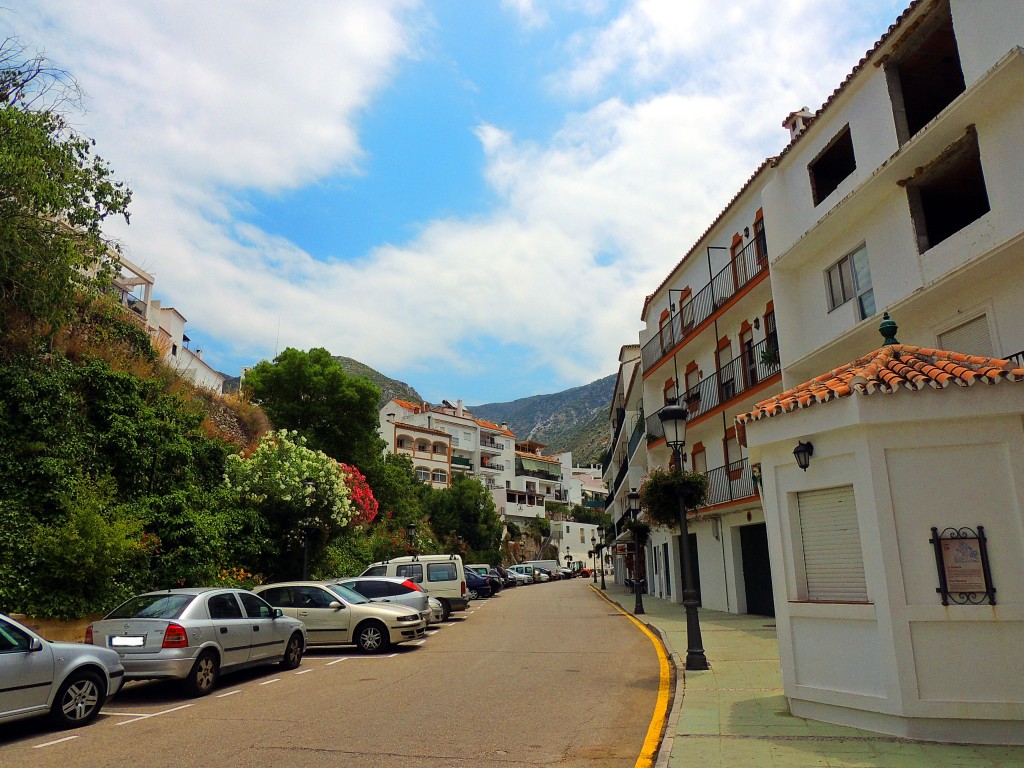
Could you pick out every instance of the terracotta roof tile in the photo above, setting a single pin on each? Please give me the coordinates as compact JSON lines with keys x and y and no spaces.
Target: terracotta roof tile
{"x":887,"y":370}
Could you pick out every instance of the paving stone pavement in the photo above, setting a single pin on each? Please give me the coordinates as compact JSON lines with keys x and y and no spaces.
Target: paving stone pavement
{"x":735,"y":714}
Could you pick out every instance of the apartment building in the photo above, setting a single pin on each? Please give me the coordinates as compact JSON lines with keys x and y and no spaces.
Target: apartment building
{"x":892,"y":466}
{"x":133,"y":287}
{"x":447,"y":438}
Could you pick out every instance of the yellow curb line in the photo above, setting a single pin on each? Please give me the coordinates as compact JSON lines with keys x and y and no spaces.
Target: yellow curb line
{"x":654,"y":731}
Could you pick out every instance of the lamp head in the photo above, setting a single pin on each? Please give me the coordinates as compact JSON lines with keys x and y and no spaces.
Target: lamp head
{"x":673,"y":422}
{"x":803,"y":453}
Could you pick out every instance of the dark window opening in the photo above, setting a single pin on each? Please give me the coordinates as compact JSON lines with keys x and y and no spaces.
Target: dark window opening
{"x":949,"y":194}
{"x":834,"y":164}
{"x":925,"y":74}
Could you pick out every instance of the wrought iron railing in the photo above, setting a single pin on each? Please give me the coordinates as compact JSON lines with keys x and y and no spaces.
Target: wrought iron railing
{"x":747,"y":264}
{"x":1017,"y":359}
{"x":492,"y":445}
{"x":729,"y":483}
{"x":636,"y":436}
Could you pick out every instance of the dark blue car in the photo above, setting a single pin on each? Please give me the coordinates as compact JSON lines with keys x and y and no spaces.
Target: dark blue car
{"x":478,"y":586}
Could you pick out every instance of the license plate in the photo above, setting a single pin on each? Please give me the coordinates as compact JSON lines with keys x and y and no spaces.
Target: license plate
{"x":127,"y":642}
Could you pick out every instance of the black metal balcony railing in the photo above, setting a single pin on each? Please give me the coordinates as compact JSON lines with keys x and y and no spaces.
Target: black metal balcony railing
{"x":729,"y":483}
{"x":1017,"y":359}
{"x":636,"y":437}
{"x":730,"y":381}
{"x":491,"y":444}
{"x":747,"y":264}
{"x":620,"y":417}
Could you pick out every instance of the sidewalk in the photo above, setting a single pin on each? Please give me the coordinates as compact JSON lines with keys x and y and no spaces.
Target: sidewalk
{"x":735,"y":714}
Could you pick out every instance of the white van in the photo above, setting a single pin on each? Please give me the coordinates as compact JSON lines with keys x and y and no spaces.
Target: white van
{"x":441,"y":576}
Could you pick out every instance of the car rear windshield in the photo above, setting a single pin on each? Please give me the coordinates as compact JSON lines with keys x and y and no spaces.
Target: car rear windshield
{"x":152,"y":607}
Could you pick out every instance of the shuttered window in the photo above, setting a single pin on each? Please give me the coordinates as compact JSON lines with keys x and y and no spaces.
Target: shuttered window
{"x":833,"y":562}
{"x":970,"y":338}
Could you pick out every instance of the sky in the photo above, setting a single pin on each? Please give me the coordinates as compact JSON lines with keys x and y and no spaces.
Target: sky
{"x":471,"y":196}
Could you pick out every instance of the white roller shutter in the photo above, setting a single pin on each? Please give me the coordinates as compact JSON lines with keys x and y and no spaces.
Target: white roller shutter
{"x":833,"y":562}
{"x":971,"y":338}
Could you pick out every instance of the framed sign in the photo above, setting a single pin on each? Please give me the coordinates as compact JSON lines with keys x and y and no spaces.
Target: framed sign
{"x":961,"y":557}
{"x":624,"y":549}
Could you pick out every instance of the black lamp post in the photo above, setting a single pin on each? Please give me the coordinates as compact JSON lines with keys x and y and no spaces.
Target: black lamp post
{"x":638,"y":556}
{"x":410,"y":532}
{"x":593,"y":561}
{"x":568,"y":557}
{"x":593,"y":551}
{"x":673,"y":419}
{"x":600,"y":552}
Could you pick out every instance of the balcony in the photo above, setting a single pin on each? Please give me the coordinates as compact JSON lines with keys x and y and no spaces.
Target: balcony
{"x":491,"y":445}
{"x":729,"y":483}
{"x":747,"y":265}
{"x":1017,"y":359}
{"x":461,"y":463}
{"x":731,"y":381}
{"x":492,"y":467}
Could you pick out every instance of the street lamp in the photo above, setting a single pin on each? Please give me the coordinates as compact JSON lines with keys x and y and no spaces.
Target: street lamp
{"x":410,"y":532}
{"x":600,"y":551}
{"x":638,"y":583}
{"x":568,"y":557}
{"x":594,"y":550}
{"x":673,"y":419}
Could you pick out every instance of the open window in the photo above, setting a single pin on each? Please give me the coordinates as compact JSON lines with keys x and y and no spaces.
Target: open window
{"x":949,"y":193}
{"x":833,"y":164}
{"x":924,"y":73}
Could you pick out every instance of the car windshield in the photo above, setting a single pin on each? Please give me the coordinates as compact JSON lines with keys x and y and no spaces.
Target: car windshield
{"x":348,"y":594}
{"x":162,"y":606}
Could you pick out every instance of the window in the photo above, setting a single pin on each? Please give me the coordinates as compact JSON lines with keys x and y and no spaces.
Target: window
{"x":402,"y":443}
{"x":971,"y":338}
{"x":440,"y":448}
{"x":760,"y":240}
{"x":726,"y":370}
{"x":223,"y":607}
{"x":924,"y":75}
{"x":830,"y":538}
{"x":377,"y":570}
{"x":832,"y":165}
{"x":423,"y":474}
{"x":374,"y":590}
{"x":441,"y":571}
{"x":949,"y":193}
{"x":850,"y":278}
{"x":12,"y":639}
{"x":411,"y":571}
{"x":439,"y":476}
{"x":256,"y":607}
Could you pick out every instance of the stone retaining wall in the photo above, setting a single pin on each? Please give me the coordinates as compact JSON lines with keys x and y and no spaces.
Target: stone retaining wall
{"x":54,"y":629}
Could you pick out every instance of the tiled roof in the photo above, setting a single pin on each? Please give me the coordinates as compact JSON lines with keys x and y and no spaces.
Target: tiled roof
{"x":493,"y":427}
{"x":407,"y":405}
{"x":537,"y":457}
{"x":888,"y":370}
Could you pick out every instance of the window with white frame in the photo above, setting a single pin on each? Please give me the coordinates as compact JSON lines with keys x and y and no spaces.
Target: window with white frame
{"x":422,"y":473}
{"x":830,"y":539}
{"x":850,"y":278}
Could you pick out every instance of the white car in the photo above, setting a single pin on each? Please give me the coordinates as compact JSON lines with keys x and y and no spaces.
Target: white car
{"x":69,"y":681}
{"x":436,"y":610}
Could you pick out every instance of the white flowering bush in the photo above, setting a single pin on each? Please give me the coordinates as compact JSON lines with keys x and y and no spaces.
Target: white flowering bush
{"x":302,"y":496}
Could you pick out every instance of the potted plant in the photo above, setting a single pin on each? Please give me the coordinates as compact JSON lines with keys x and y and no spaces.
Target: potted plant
{"x":662,"y":490}
{"x":770,"y":357}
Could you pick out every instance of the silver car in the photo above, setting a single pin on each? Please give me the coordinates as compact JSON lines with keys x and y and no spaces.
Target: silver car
{"x":390,"y":589}
{"x":335,"y":614}
{"x":195,"y":634}
{"x":69,"y":681}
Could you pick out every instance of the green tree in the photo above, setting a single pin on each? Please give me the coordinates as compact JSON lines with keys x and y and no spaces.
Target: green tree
{"x":310,"y":393}
{"x":466,"y":509}
{"x":55,"y":195}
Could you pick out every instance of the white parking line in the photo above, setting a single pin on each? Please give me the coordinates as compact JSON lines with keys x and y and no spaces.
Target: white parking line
{"x":55,"y":741}
{"x":336,"y":661}
{"x":155,"y":714}
{"x":268,"y":682}
{"x":303,"y":671}
{"x":229,"y":693}
{"x":417,"y":642}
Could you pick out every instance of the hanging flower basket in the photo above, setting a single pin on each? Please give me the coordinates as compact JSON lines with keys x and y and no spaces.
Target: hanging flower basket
{"x":662,"y":489}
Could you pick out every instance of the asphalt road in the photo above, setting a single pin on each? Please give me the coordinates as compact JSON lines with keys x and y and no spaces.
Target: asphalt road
{"x":545,"y":675}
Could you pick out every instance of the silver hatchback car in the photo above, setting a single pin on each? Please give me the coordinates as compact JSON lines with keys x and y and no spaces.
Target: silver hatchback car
{"x":70,"y":681}
{"x":390,"y":589}
{"x":195,"y":634}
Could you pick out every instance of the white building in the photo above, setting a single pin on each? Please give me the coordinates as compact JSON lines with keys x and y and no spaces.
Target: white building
{"x":902,"y":194}
{"x":165,"y":325}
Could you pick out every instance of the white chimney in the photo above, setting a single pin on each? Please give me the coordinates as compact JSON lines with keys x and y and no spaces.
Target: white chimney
{"x":458,"y":407}
{"x":797,"y":121}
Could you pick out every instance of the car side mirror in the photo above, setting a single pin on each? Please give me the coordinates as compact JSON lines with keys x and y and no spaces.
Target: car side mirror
{"x":35,"y":644}
{"x":336,"y":605}
{"x":278,"y":613}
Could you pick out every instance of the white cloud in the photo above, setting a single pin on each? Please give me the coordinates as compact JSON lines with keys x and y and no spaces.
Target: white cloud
{"x":198,"y":101}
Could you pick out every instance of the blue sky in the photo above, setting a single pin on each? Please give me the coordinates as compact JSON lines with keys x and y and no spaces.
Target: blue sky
{"x":472,"y":197}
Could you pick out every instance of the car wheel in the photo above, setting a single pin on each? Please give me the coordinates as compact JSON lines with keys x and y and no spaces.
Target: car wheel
{"x":203,"y":675}
{"x":474,"y":595}
{"x":292,"y":653}
{"x":372,"y":637}
{"x":79,"y":700}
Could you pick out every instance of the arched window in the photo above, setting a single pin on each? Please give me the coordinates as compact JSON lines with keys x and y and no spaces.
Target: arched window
{"x":439,"y":476}
{"x":423,"y":445}
{"x":441,"y":448}
{"x":422,"y":473}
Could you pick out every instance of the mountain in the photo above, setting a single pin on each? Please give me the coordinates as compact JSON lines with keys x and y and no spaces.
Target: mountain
{"x":574,"y":420}
{"x":389,"y":387}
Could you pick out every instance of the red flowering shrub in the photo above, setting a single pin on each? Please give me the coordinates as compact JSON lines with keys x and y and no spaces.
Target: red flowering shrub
{"x":360,"y":494}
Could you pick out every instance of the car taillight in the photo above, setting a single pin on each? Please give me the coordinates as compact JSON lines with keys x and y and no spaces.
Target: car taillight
{"x":88,"y":635}
{"x":175,"y":637}
{"x":409,"y":584}
{"x":463,"y":589}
